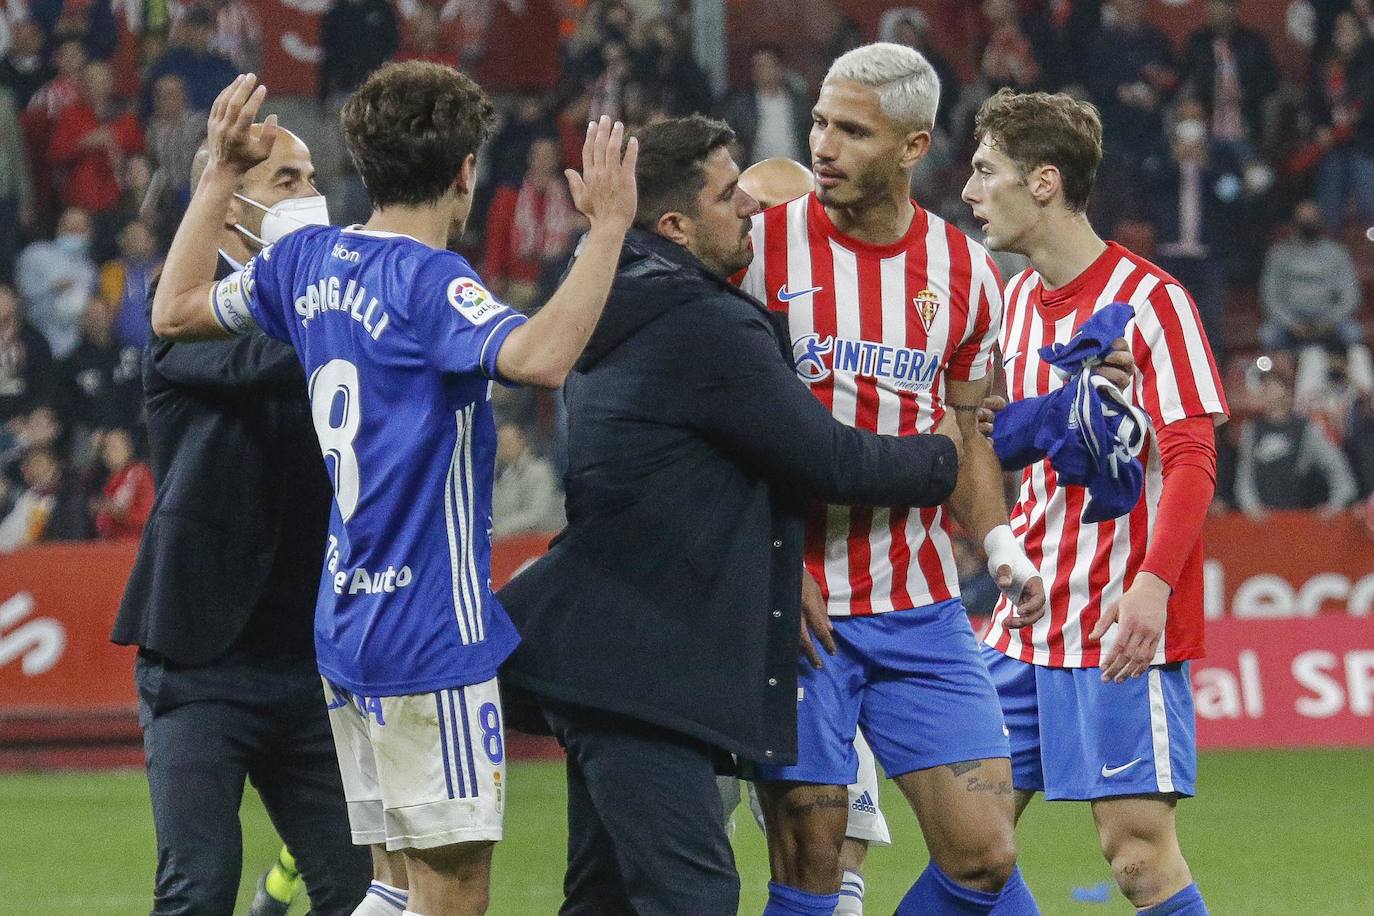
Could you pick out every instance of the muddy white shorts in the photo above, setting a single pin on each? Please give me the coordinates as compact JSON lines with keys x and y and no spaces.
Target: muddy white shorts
{"x":421,"y":770}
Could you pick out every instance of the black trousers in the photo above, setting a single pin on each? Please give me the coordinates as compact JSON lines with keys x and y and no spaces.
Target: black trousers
{"x":205,"y":730}
{"x":646,"y":833}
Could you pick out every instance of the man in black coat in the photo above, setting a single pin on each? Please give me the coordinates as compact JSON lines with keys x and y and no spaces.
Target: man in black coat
{"x":660,"y":633}
{"x":221,"y":600}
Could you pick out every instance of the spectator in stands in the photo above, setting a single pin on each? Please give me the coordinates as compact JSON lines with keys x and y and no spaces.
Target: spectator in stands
{"x":56,"y":279}
{"x":909,"y":26}
{"x":770,"y":116}
{"x":1343,"y":87}
{"x":174,"y":133}
{"x":1230,"y":70}
{"x":24,"y":66}
{"x":356,"y":37}
{"x":25,"y":360}
{"x":126,"y":280}
{"x":1284,"y":461}
{"x":525,"y":494}
{"x":122,"y":508}
{"x":90,"y":140}
{"x":52,"y":504}
{"x":30,"y":509}
{"x":203,"y":71}
{"x":1309,"y":290}
{"x":671,"y":79}
{"x":530,"y":229}
{"x":99,"y":385}
{"x":52,"y":98}
{"x":1130,"y":76}
{"x":236,"y":33}
{"x":16,"y":188}
{"x":1189,"y":201}
{"x":1013,"y":55}
{"x":424,"y":33}
{"x":91,"y":21}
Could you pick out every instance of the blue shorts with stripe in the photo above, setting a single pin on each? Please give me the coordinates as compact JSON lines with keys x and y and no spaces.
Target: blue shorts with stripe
{"x":1076,"y":738}
{"x":914,"y":681}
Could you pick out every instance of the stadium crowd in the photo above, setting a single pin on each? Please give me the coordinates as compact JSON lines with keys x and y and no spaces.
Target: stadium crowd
{"x":1253,"y":187}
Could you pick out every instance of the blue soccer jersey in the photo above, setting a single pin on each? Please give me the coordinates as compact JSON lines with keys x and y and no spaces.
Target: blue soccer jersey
{"x":399,"y":344}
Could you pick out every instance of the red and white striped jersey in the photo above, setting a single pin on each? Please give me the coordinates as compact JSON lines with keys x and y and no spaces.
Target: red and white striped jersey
{"x":876,"y":330}
{"x":1086,"y":566}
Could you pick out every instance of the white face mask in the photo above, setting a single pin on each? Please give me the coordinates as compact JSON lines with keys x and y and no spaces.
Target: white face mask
{"x":286,"y":217}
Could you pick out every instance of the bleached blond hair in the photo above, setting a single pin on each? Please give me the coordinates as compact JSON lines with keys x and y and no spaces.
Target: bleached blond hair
{"x":908,"y":89}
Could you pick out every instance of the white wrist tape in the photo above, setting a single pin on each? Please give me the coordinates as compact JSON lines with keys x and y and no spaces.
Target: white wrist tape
{"x":1004,"y":550}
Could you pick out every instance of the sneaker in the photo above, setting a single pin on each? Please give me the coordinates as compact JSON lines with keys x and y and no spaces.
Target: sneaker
{"x":264,"y":904}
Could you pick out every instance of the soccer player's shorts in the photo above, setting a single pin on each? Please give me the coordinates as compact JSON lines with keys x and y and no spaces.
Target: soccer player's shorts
{"x":1076,"y":738}
{"x":913,"y":680}
{"x":866,"y":821}
{"x":421,"y":770}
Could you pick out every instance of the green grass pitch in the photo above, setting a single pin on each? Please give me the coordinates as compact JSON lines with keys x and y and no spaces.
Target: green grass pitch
{"x":1273,"y":833}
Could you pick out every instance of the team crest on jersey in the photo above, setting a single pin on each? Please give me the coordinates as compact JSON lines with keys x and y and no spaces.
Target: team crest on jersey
{"x":472,"y":300}
{"x":927,"y":305}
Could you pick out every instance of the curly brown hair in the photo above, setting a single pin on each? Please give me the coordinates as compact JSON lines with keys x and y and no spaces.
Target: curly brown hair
{"x":410,"y":127}
{"x":1040,"y":128}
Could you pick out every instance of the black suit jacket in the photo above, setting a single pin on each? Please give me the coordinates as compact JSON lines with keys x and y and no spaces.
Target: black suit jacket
{"x":233,"y":548}
{"x":673,"y":595}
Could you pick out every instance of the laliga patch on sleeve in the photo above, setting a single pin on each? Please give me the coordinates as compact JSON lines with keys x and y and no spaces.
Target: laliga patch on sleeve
{"x":472,"y":300}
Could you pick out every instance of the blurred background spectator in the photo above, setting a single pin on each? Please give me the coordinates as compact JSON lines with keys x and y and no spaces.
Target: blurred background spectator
{"x":771,"y":116}
{"x":56,"y":279}
{"x":525,"y":495}
{"x":25,"y":359}
{"x":90,"y":141}
{"x":1284,"y":461}
{"x":530,"y":230}
{"x":189,"y":55}
{"x":1344,"y":99}
{"x":1311,"y":295}
{"x":121,"y":510}
{"x":16,"y":190}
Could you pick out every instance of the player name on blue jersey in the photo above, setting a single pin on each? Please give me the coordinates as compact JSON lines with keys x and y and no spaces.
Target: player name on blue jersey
{"x":399,"y":342}
{"x":324,"y":295}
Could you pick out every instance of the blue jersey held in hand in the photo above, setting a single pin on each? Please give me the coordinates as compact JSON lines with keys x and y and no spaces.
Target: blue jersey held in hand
{"x":399,"y":343}
{"x":1090,"y":431}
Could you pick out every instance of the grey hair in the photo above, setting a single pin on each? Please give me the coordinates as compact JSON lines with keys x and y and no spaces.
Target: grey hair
{"x":908,"y":89}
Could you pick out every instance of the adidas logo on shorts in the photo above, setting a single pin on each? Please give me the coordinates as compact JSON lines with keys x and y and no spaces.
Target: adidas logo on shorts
{"x":865,"y":804}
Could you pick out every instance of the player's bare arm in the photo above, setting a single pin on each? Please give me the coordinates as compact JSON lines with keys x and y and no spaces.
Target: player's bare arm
{"x":543,"y":350}
{"x":181,"y":306}
{"x":979,"y":505}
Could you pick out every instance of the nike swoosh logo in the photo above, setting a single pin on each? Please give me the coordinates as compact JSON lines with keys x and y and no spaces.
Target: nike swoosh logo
{"x":1109,"y":772}
{"x":1006,"y":362}
{"x":785,"y":296}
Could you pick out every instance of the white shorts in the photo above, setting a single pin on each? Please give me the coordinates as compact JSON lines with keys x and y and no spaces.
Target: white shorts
{"x":421,"y":770}
{"x":866,"y":821}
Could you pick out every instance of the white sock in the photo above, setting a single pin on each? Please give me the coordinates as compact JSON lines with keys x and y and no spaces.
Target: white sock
{"x":851,"y":895}
{"x":382,"y":900}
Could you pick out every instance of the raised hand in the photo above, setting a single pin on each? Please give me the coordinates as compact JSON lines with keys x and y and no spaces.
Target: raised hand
{"x":232,"y":138}
{"x":605,"y":190}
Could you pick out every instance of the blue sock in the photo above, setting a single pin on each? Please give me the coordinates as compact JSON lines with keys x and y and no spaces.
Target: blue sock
{"x":1187,"y":902}
{"x":788,"y":901}
{"x":936,"y":894}
{"x":1016,"y":898}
